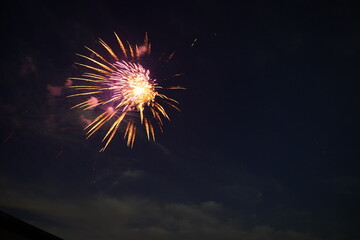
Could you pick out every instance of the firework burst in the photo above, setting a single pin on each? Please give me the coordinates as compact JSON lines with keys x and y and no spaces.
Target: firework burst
{"x":124,"y":90}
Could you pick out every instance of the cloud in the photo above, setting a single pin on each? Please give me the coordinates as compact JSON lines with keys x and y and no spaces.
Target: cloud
{"x":133,"y":173}
{"x":27,"y":67}
{"x":343,"y":185}
{"x":54,"y":90}
{"x":108,"y":217}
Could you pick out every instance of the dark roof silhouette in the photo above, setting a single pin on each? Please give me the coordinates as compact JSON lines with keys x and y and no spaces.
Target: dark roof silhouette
{"x":15,"y":229}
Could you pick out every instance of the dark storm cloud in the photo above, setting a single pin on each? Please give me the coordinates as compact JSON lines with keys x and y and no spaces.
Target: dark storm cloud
{"x":107,"y":217}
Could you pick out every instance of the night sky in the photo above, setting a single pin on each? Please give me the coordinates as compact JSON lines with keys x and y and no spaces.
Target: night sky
{"x":266,"y":144}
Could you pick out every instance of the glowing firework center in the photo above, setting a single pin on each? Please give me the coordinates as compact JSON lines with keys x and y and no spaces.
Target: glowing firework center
{"x":132,"y":86}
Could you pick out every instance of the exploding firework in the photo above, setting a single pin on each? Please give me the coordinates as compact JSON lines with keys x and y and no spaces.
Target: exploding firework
{"x":124,"y":90}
